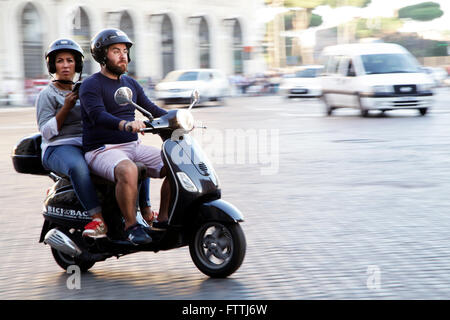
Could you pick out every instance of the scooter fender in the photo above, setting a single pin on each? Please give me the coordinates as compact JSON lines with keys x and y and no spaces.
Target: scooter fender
{"x":46,"y":227}
{"x":220,"y":210}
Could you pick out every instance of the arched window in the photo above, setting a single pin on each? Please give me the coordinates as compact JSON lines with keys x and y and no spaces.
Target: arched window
{"x":82,"y":35}
{"x":204,"y":44}
{"x":31,"y":30}
{"x":126,"y":25}
{"x":237,"y":48}
{"x":167,"y":48}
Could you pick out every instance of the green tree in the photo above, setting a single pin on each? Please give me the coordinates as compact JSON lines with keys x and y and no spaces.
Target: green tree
{"x":424,"y":11}
{"x":299,"y":18}
{"x":315,"y":20}
{"x":305,"y":19}
{"x":377,"y":27}
{"x":332,"y":3}
{"x":418,"y":46}
{"x":307,"y":4}
{"x":353,"y":3}
{"x":312,"y":20}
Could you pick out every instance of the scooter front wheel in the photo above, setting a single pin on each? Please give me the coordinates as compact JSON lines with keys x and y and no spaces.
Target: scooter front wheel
{"x":218,"y":249}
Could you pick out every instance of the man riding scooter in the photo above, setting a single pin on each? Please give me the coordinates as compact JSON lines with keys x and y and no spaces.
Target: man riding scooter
{"x":110,"y":137}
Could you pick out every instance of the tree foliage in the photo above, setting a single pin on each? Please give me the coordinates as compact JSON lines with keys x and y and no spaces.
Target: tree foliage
{"x":353,"y":3}
{"x":311,"y":4}
{"x":377,"y":27}
{"x":307,"y":4}
{"x":424,"y":11}
{"x":418,"y":46}
{"x":315,"y":20}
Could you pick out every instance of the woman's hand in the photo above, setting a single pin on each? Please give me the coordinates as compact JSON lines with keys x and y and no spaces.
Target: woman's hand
{"x":69,"y":103}
{"x":71,"y":100}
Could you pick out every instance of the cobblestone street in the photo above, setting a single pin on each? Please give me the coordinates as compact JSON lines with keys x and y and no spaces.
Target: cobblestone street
{"x":339,"y":207}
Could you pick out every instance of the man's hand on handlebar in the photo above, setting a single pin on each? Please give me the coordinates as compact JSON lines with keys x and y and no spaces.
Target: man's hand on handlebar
{"x":132,"y":126}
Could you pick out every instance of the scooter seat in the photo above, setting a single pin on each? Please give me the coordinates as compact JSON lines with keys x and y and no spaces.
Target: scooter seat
{"x":142,"y":174}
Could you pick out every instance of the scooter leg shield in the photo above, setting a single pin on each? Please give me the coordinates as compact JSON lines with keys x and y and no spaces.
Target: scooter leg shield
{"x":220,"y":210}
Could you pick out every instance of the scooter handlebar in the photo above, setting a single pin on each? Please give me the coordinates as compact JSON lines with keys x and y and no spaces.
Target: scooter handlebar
{"x":149,"y":126}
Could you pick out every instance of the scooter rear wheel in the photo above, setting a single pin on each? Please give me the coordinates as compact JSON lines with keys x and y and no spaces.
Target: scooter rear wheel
{"x":218,"y":249}
{"x":65,"y":261}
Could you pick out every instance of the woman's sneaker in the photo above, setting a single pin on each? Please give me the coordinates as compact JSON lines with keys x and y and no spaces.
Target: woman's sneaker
{"x":95,"y":229}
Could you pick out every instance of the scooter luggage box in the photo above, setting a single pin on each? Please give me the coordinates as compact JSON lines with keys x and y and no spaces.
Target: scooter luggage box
{"x":26,"y":155}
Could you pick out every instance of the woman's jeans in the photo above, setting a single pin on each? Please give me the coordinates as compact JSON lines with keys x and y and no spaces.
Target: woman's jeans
{"x":144,"y":194}
{"x":69,"y":161}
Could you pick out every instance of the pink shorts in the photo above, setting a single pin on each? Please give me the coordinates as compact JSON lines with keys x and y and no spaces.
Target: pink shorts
{"x":102,"y":161}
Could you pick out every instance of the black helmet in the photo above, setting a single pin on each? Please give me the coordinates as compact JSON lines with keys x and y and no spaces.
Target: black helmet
{"x":64,"y":45}
{"x":103,"y":39}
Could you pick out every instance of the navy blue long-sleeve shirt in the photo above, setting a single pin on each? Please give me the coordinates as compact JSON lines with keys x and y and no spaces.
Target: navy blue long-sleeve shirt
{"x":101,"y":114}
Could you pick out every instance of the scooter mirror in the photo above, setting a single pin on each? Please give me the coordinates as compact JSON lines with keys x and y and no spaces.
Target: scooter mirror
{"x":195,"y":96}
{"x":123,"y":96}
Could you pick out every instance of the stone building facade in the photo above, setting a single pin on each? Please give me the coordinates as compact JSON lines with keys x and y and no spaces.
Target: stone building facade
{"x":167,"y":35}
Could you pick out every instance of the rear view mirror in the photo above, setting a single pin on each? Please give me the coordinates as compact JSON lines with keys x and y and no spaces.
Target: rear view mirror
{"x":195,"y":96}
{"x":123,"y":96}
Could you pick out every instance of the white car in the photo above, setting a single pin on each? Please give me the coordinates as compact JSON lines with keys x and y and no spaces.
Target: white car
{"x":177,"y":86}
{"x":304,"y":83}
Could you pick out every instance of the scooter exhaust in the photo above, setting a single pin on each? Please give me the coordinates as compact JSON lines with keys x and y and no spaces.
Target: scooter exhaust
{"x":59,"y":241}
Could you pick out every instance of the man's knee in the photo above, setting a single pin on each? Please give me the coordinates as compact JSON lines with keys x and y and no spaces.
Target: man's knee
{"x":126,"y":171}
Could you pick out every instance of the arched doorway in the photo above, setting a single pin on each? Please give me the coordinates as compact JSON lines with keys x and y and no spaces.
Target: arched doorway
{"x":238,"y":66}
{"x":204,"y":44}
{"x":82,"y":35}
{"x":31,"y":31}
{"x":126,"y":25}
{"x":167,"y":45}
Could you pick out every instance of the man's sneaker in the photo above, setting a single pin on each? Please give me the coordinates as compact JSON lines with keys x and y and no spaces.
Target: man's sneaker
{"x":137,"y":235}
{"x":95,"y":229}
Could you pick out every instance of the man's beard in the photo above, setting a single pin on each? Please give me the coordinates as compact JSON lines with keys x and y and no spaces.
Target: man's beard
{"x":114,"y":69}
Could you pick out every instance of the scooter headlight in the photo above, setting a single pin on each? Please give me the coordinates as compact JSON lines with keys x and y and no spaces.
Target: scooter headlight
{"x":185,"y":120}
{"x":186,"y":182}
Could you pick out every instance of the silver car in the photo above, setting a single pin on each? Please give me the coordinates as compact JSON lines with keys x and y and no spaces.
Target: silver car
{"x":177,"y":86}
{"x":303,"y":83}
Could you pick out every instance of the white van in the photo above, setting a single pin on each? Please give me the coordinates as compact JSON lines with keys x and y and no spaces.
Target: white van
{"x":374,"y":76}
